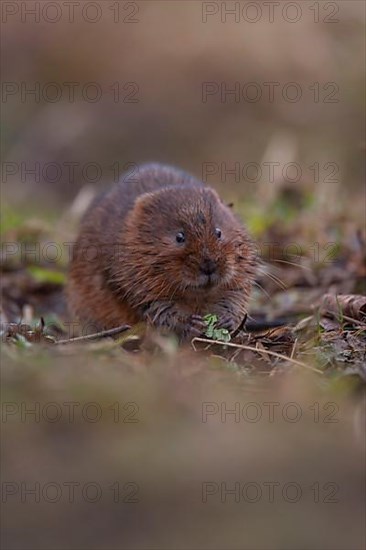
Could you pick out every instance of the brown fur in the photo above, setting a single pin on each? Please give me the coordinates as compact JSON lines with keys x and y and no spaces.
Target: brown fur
{"x":127,"y":265}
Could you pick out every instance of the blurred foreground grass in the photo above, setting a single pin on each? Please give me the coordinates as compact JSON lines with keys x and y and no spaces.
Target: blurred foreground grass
{"x":171,"y":450}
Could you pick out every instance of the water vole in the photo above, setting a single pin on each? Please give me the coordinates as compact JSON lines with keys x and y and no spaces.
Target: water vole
{"x":164,"y":248}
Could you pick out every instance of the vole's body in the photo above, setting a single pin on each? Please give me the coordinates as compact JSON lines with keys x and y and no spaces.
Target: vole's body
{"x":160,"y":247}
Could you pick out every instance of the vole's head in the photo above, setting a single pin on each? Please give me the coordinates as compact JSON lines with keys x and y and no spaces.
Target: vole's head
{"x":186,"y":239}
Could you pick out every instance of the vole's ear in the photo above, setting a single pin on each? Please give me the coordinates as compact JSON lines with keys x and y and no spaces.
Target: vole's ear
{"x":142,"y":211}
{"x":144,"y":203}
{"x":228,"y":205}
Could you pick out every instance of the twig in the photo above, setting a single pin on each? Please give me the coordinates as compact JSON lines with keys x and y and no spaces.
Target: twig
{"x":354,"y":321}
{"x":252,"y":348}
{"x":102,"y":334}
{"x":240,"y":327}
{"x":293,"y":349}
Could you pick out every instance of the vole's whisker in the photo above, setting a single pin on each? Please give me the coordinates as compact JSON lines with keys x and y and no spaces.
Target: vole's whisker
{"x":275,"y":279}
{"x":301,"y":266}
{"x":258,"y":285}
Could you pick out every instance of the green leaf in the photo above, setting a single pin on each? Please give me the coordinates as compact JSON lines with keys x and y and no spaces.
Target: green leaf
{"x":219,"y":334}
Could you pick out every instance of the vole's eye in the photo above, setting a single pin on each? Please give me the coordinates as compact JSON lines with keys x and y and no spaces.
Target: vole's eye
{"x":180,"y":237}
{"x":218,"y":233}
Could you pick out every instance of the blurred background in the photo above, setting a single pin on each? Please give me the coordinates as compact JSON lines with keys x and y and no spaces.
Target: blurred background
{"x":92,"y":90}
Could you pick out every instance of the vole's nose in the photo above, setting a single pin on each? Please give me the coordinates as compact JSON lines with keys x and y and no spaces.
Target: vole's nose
{"x":208,"y":267}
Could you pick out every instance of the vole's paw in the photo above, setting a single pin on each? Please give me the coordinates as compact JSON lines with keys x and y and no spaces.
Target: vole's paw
{"x":191,"y":327}
{"x":228,"y":322}
{"x":196,"y":325}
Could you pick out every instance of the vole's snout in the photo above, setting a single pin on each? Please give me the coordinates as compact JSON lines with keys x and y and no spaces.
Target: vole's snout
{"x":208,"y":266}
